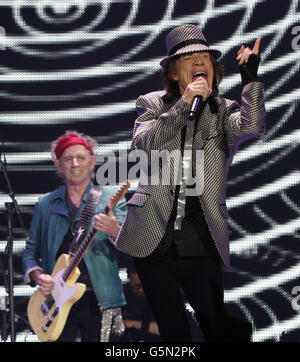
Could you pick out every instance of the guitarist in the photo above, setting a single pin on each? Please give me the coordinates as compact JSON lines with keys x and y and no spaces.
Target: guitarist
{"x":51,"y":234}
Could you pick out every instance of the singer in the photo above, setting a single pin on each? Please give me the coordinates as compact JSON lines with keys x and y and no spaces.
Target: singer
{"x":180,"y":241}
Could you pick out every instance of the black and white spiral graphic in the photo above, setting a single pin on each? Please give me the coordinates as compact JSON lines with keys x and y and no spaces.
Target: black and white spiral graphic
{"x":81,"y":64}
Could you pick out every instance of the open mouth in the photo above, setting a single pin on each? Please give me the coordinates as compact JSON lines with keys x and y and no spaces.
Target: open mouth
{"x":200,"y":74}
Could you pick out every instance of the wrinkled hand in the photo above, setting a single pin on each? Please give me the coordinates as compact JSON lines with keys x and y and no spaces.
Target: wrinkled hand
{"x":244,"y":53}
{"x":45,"y":281}
{"x":199,"y":87}
{"x":107,"y":223}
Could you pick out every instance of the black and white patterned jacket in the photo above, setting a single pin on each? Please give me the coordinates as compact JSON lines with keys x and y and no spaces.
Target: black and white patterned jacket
{"x":218,"y":133}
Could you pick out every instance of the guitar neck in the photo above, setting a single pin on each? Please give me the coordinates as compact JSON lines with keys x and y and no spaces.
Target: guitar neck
{"x":76,"y":258}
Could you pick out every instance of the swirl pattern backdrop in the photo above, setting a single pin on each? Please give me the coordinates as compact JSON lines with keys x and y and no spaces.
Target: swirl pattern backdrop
{"x":82,"y":64}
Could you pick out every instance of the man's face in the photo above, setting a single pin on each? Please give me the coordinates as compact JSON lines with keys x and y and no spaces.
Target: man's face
{"x":191,"y":66}
{"x":76,"y":165}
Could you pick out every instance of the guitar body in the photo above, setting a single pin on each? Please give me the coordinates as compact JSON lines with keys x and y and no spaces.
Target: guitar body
{"x":48,"y":315}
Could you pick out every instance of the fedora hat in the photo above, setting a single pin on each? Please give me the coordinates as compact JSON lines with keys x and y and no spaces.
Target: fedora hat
{"x":186,"y":39}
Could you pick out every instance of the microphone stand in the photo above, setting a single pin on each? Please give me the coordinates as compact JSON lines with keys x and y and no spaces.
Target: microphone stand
{"x":11,"y":208}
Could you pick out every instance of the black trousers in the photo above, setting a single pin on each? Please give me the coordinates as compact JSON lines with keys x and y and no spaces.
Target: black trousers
{"x":84,"y":320}
{"x":164,"y":277}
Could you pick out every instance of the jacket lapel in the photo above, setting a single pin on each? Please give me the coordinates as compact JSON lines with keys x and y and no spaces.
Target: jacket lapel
{"x":206,"y":126}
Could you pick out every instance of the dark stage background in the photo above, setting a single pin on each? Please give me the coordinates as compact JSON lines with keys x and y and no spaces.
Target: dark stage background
{"x":82,"y":64}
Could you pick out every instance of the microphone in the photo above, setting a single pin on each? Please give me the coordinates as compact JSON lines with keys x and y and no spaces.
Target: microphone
{"x":195,"y":107}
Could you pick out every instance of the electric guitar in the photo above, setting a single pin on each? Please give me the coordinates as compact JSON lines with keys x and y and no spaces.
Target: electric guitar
{"x":48,"y":315}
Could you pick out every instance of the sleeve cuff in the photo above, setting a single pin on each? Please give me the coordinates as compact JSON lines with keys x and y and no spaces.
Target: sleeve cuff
{"x":27,"y":278}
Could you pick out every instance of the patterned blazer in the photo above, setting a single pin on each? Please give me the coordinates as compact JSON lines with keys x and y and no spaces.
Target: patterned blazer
{"x":218,"y":133}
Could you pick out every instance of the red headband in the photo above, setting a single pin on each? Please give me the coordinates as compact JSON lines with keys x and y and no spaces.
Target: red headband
{"x":70,"y":140}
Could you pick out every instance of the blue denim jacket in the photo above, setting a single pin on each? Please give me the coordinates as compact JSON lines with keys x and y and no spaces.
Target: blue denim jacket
{"x":50,"y":224}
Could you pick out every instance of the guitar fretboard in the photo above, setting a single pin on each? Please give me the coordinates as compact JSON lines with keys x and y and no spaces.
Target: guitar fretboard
{"x":79,"y":253}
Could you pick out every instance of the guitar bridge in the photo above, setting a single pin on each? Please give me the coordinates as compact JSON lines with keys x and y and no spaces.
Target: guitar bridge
{"x":50,"y":320}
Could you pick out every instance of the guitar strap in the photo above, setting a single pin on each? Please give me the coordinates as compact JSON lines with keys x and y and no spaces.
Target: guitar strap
{"x":85,"y":217}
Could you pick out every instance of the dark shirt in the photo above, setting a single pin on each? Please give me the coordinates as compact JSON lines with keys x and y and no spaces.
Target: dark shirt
{"x":194,"y":238}
{"x":66,"y":244}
